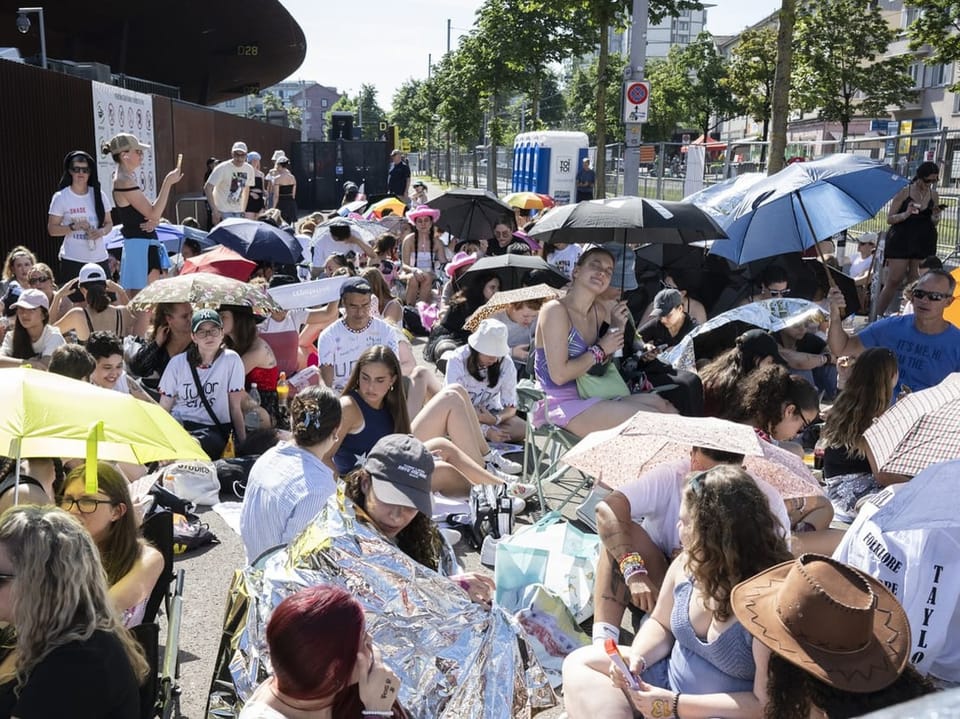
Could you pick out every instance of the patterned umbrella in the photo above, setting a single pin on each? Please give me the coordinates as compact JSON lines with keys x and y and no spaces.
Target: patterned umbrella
{"x":921,"y":429}
{"x":501,"y":300}
{"x":647,"y":440}
{"x":203,"y":289}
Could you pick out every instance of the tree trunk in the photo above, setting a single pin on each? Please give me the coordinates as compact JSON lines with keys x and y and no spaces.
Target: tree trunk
{"x":765,"y":137}
{"x":780,"y":105}
{"x":599,"y":165}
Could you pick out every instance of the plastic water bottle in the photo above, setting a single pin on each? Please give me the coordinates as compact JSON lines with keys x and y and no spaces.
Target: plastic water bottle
{"x":283,"y":389}
{"x":252,"y":419}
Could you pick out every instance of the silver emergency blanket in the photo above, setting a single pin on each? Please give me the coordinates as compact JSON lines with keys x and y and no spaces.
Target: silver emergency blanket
{"x":455,"y":658}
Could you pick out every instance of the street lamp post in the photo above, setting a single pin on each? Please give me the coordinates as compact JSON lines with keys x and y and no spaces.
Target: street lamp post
{"x":23,"y":25}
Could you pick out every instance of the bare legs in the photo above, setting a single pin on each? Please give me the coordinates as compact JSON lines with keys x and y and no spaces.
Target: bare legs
{"x":609,"y":413}
{"x":455,"y":472}
{"x":450,"y":414}
{"x":587,"y":690}
{"x":896,"y":272}
{"x":424,"y":385}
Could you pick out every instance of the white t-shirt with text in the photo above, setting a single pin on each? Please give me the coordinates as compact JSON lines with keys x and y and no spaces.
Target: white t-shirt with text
{"x":341,"y":347}
{"x":72,"y":207}
{"x":218,"y":380}
{"x":228,"y":182}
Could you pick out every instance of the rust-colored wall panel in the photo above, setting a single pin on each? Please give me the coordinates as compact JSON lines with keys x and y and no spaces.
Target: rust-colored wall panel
{"x":47,"y":114}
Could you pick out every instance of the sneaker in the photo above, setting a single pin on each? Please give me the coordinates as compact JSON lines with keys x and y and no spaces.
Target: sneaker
{"x":452,"y":536}
{"x":502,"y":476}
{"x":522,"y":490}
{"x":488,"y":552}
{"x":519,"y":506}
{"x":502,"y":463}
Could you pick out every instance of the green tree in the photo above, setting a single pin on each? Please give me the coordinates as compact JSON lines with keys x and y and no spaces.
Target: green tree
{"x":938,"y":26}
{"x":669,"y":96}
{"x":366,"y":111}
{"x":409,"y":111}
{"x":750,"y":74}
{"x":838,"y":70}
{"x":708,"y":99}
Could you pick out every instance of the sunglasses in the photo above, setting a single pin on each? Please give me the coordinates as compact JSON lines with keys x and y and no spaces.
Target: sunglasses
{"x":665,"y":286}
{"x":932,"y":296}
{"x":39,"y":280}
{"x":778,"y":293}
{"x":80,"y":170}
{"x":203,"y":334}
{"x":4,"y":577}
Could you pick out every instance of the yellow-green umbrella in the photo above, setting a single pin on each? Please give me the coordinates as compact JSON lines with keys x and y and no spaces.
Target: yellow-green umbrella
{"x":388,"y":203}
{"x":47,"y":415}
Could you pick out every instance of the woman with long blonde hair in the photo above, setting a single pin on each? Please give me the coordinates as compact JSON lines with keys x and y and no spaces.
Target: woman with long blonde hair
{"x":72,"y":655}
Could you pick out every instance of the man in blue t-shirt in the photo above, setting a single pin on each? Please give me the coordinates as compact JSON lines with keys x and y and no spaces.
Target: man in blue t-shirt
{"x":586,"y":178}
{"x":926,"y":345}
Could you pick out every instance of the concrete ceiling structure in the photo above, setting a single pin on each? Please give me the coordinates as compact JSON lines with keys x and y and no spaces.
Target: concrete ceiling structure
{"x":213,"y":50}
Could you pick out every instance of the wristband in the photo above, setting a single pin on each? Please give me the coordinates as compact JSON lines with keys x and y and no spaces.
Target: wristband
{"x":631,"y":564}
{"x":599,"y":356}
{"x":374,"y":713}
{"x":676,"y":705}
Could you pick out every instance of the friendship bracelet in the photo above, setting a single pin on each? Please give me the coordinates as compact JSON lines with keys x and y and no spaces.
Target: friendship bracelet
{"x":373,"y":713}
{"x":676,"y":705}
{"x":631,"y":564}
{"x":599,"y":356}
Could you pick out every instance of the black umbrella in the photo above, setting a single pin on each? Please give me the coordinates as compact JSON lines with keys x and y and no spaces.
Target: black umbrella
{"x":515,"y":271}
{"x":635,"y":220}
{"x":257,"y":241}
{"x":471,"y":214}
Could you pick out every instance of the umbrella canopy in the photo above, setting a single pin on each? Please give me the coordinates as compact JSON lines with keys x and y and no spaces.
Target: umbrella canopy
{"x":203,"y":289}
{"x":921,"y":429}
{"x":220,"y":261}
{"x":721,"y":199}
{"x":48,"y":415}
{"x":512,"y":270}
{"x":804,"y":203}
{"x":397,"y":207}
{"x":470,"y":214}
{"x":257,"y":241}
{"x":719,"y":333}
{"x":501,"y":300}
{"x":526,"y":201}
{"x":627,"y":219}
{"x":366,"y":230}
{"x":646,"y":440}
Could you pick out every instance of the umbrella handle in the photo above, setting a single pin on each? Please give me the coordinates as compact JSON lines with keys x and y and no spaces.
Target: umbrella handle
{"x":826,"y":268}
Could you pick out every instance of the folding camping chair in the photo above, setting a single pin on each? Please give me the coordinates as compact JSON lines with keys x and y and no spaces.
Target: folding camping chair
{"x":543,"y":449}
{"x":159,"y":697}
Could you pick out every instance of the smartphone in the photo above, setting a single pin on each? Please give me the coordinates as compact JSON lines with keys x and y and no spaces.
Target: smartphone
{"x":613,"y":652}
{"x":661,"y":348}
{"x":179,"y":161}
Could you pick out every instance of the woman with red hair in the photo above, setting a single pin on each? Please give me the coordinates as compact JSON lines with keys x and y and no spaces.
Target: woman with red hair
{"x":324,"y":662}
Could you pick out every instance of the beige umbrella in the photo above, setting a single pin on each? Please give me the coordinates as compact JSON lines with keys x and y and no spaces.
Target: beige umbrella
{"x":647,"y":440}
{"x":501,"y":300}
{"x":921,"y":429}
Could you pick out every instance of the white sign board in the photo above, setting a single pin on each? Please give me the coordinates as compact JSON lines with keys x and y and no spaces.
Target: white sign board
{"x":636,"y":101}
{"x":116,"y":110}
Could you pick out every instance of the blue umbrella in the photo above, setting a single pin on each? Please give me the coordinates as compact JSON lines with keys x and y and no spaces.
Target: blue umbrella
{"x":257,"y":241}
{"x":721,"y":199}
{"x":804,"y":203}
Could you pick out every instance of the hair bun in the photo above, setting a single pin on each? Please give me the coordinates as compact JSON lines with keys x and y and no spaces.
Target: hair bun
{"x":105,"y":149}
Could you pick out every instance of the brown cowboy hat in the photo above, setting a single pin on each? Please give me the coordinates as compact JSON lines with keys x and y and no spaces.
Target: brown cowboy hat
{"x":831,"y":620}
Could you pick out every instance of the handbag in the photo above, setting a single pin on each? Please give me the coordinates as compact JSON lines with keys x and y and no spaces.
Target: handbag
{"x":553,"y":553}
{"x":609,"y":385}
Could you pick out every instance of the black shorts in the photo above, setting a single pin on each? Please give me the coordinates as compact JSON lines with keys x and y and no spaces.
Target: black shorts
{"x":910,"y":245}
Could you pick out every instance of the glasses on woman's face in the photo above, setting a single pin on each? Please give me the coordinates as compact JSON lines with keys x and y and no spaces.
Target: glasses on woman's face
{"x":931,"y":180}
{"x":4,"y":578}
{"x":204,"y":334}
{"x":39,"y":280}
{"x":80,"y":170}
{"x":807,"y":422}
{"x":85,"y":505}
{"x":668,"y":286}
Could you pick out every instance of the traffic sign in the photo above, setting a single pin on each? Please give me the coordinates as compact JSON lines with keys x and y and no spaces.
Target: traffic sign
{"x":636,"y":99}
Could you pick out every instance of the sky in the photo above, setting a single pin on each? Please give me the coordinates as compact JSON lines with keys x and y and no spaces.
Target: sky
{"x":384,"y":42}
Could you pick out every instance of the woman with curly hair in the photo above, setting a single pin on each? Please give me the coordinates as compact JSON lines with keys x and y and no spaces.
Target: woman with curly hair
{"x":722,"y":376}
{"x":72,"y":655}
{"x":691,"y":657}
{"x":391,"y":492}
{"x":828,"y":640}
{"x":132,"y":566}
{"x":866,"y":395}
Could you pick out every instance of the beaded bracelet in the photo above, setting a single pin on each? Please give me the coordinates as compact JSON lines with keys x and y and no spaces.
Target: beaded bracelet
{"x":599,"y":356}
{"x":676,"y":705}
{"x":631,"y":564}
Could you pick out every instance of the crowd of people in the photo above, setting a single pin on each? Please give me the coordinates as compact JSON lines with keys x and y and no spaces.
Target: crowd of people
{"x":742,"y":611}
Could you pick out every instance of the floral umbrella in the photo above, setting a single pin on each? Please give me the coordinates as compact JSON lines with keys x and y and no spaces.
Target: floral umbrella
{"x":205,"y":290}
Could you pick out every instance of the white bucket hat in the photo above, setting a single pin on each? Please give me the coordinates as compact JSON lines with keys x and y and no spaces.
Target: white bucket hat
{"x":490,"y":339}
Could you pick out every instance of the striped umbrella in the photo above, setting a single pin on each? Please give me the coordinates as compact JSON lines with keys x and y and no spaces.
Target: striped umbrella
{"x":921,"y":429}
